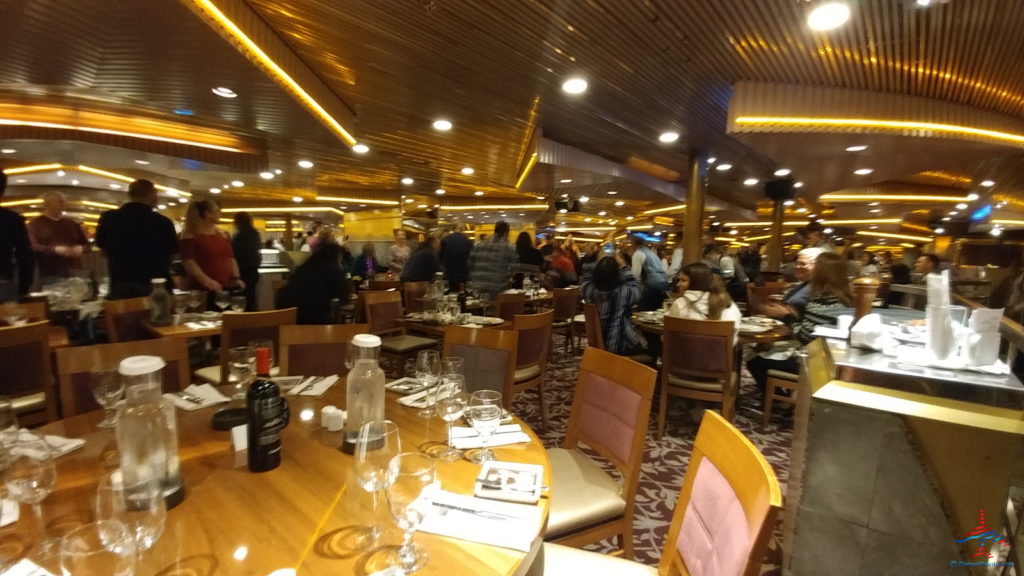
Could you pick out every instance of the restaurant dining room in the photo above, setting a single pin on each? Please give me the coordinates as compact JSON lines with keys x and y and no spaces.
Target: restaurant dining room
{"x":511,"y":287}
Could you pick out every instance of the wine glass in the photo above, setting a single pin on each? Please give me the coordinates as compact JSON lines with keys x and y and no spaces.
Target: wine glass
{"x":377,"y":442}
{"x":485,"y":415}
{"x":242,"y":363}
{"x":451,"y":404}
{"x":31,"y":475}
{"x":195,"y":299}
{"x":107,"y":388}
{"x":104,"y":548}
{"x":411,"y":481}
{"x":132,"y":496}
{"x":181,"y":306}
{"x":485,"y":301}
{"x":453,"y":365}
{"x":222,"y":298}
{"x":238,"y":303}
{"x":268,"y":344}
{"x":428,"y":371}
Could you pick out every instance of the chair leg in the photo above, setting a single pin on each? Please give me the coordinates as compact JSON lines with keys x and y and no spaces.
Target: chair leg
{"x":626,"y":541}
{"x":728,"y":407}
{"x":769,"y":398}
{"x":662,"y":408}
{"x":543,"y":407}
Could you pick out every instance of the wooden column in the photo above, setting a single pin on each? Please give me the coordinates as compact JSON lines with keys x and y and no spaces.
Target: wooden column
{"x":693,"y":219}
{"x":775,"y":242}
{"x":289,"y":234}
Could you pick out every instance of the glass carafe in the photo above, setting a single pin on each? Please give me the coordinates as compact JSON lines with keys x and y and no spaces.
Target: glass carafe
{"x":364,"y":393}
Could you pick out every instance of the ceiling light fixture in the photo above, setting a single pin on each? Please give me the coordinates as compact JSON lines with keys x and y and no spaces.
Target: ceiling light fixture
{"x":407,"y":181}
{"x":442,"y":125}
{"x":668,"y":137}
{"x":440,"y":191}
{"x":751,"y":181}
{"x":856,"y":148}
{"x":7,"y":151}
{"x":988,"y":183}
{"x":940,"y":230}
{"x":863,"y":171}
{"x":798,"y":184}
{"x":224,"y":92}
{"x":305,"y":164}
{"x":619,"y":203}
{"x":296,"y":198}
{"x":284,"y":209}
{"x":972,"y":196}
{"x":161,"y":207}
{"x":996,"y":232}
{"x":665,"y":209}
{"x":27,"y":202}
{"x":499,"y":207}
{"x":961,"y":206}
{"x":478,"y":193}
{"x":574,"y":85}
{"x":467,"y":171}
{"x":344,"y":199}
{"x":953,"y":212}
{"x":214,"y":190}
{"x":828,"y":16}
{"x":565,"y":181}
{"x":896,"y":236}
{"x":360,"y":148}
{"x":237,"y":183}
{"x":783,"y":172}
{"x":75,"y":182}
{"x":602,"y":213}
{"x":723,"y":167}
{"x":114,"y":186}
{"x":526,"y":170}
{"x":712,"y":159}
{"x":841,"y":197}
{"x":267,"y":175}
{"x":61,"y":173}
{"x":789,"y":202}
{"x":277,"y":171}
{"x":612,"y":192}
{"x":584,"y":199}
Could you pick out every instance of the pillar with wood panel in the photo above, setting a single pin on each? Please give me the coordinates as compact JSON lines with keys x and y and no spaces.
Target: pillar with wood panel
{"x":693,"y":218}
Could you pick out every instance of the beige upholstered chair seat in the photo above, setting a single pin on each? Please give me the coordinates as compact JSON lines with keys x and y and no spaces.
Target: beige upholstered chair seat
{"x":29,"y":403}
{"x":526,"y":373}
{"x":560,"y":323}
{"x":697,"y":384}
{"x":583,"y":494}
{"x":783,"y":375}
{"x":405,"y":343}
{"x":567,"y":561}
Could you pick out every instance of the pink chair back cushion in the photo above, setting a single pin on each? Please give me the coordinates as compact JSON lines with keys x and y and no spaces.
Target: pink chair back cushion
{"x":609,"y":415}
{"x":714,"y":539}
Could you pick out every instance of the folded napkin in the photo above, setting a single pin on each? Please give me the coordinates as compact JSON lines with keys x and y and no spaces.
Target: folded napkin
{"x":504,"y":524}
{"x":313,"y":386}
{"x":9,"y":512}
{"x":202,"y":324}
{"x":471,"y":325}
{"x":465,"y":438}
{"x":205,"y":393}
{"x":59,"y":445}
{"x":420,"y":399}
{"x":26,"y":567}
{"x":827,"y":332}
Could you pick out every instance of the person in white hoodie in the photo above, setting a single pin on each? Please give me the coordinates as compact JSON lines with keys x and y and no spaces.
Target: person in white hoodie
{"x":703,"y":296}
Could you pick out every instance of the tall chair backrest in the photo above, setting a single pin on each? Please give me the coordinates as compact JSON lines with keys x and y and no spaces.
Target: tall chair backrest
{"x":25,"y":366}
{"x":508,"y":306}
{"x":316,"y":350}
{"x":534,"y":332}
{"x":413,"y":293}
{"x":75,"y":363}
{"x":566,"y":302}
{"x":595,"y":338}
{"x":384,"y":284}
{"x":489,"y":356}
{"x":701,"y":349}
{"x":727,"y":507}
{"x":240,"y":328}
{"x":383,"y":312}
{"x":758,"y":296}
{"x":125,"y":319}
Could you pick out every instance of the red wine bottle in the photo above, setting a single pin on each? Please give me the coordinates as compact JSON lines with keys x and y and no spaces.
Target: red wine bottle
{"x":268,"y":415}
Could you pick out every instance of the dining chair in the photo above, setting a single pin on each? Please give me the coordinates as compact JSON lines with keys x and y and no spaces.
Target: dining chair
{"x":489,"y":358}
{"x":316,"y":350}
{"x":723,"y":519}
{"x":697,"y":363}
{"x":25,"y":364}
{"x":758,"y":296}
{"x":534,"y":333}
{"x":566,"y":305}
{"x":126,"y":319}
{"x":778,"y":380}
{"x":507,"y":306}
{"x":413,"y":293}
{"x":75,"y":363}
{"x":384,"y":284}
{"x":35,"y":310}
{"x":238,"y":329}
{"x":383,"y":312}
{"x":611,"y":408}
{"x":595,"y":338}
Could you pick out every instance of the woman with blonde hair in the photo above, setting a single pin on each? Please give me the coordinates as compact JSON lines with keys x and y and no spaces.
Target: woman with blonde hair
{"x":206,"y":251}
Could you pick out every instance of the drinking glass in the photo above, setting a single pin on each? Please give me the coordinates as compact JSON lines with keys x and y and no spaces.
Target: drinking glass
{"x":485,"y":415}
{"x":451,"y":404}
{"x":238,"y":303}
{"x":485,"y":300}
{"x":428,"y":371}
{"x":242,"y":364}
{"x":107,"y":388}
{"x":411,"y":481}
{"x":104,"y":548}
{"x":132,"y":496}
{"x":195,"y":299}
{"x":8,"y":422}
{"x":222,"y":298}
{"x":453,"y":365}
{"x":31,"y":475}
{"x":103,"y":287}
{"x":376,"y":444}
{"x":181,"y":305}
{"x":269,"y":345}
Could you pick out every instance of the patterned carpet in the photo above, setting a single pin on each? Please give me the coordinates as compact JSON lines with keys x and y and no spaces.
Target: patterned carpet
{"x":665,"y":460}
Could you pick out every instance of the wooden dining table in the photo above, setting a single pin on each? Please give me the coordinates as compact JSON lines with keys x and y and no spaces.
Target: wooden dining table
{"x":302,"y":517}
{"x":774,"y":334}
{"x":183,"y":331}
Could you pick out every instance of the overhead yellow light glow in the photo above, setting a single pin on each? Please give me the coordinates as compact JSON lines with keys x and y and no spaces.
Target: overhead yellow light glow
{"x":767,"y":236}
{"x":357,"y":200}
{"x":1001,"y":222}
{"x":580,"y":239}
{"x":863,"y":221}
{"x":640,"y":227}
{"x":129,"y":179}
{"x":526,"y":170}
{"x":499,"y":207}
{"x":665,"y":209}
{"x":587,"y":229}
{"x":896,"y":236}
{"x":21,"y":202}
{"x":254,"y":51}
{"x":838,"y":197}
{"x":35,"y":168}
{"x":744,"y":224}
{"x":98,"y":204}
{"x":882,"y":124}
{"x":286,"y":209}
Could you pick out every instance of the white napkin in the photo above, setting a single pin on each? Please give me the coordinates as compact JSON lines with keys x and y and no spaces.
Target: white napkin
{"x":465,"y":438}
{"x":917,"y":356}
{"x":205,"y":392}
{"x":202,"y":324}
{"x":59,"y":445}
{"x":9,"y":512}
{"x":869,"y":332}
{"x":504,"y":524}
{"x":827,"y":332}
{"x":27,"y":567}
{"x":471,"y":325}
{"x":314,"y":386}
{"x":420,"y":399}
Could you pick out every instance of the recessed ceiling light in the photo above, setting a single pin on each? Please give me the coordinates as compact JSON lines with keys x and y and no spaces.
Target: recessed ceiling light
{"x":74,"y":182}
{"x":734,"y":232}
{"x":360,"y":148}
{"x":162,"y":207}
{"x":875,"y":210}
{"x":801,"y":210}
{"x":20,"y":181}
{"x":540,"y":197}
{"x":783,"y":172}
{"x":408,"y":200}
{"x":267,"y":175}
{"x":812,"y":216}
{"x":442,"y":125}
{"x":478,"y":193}
{"x":467,"y":171}
{"x":629,"y":217}
{"x":988,"y":183}
{"x":961,"y":206}
{"x":296,"y":198}
{"x":953,"y":212}
{"x":183,"y":112}
{"x":789,"y":202}
{"x":798,"y":185}
{"x":972,"y":196}
{"x":7,"y":151}
{"x":562,"y":210}
{"x":669,"y":137}
{"x":214,"y":190}
{"x":565,"y":181}
{"x":828,"y":16}
{"x":619,"y":203}
{"x":940,"y":230}
{"x":407,"y":180}
{"x":723,"y":167}
{"x":575,"y":85}
{"x":827,"y":231}
{"x":944,"y":219}
{"x":224,"y":92}
{"x":305,"y":164}
{"x":658,"y":233}
{"x":115,"y":186}
{"x":860,"y":148}
{"x":874,"y":203}
{"x":421,"y":205}
{"x":712,"y":160}
{"x":613,"y":192}
{"x":602,"y":213}
{"x":863,"y":171}
{"x":565,"y":195}
{"x":237,"y":183}
{"x":996,"y":231}
{"x":584,"y":199}
{"x":923,"y":3}
{"x":439,"y":191}
{"x":751,"y":181}
{"x":60,"y":173}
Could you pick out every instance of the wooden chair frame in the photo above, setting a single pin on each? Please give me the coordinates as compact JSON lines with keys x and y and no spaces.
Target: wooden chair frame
{"x":413,"y":293}
{"x":758,"y":296}
{"x":533,"y":323}
{"x":236,"y":321}
{"x":508,"y":306}
{"x":565,"y":306}
{"x":595,"y":337}
{"x":35,"y":333}
{"x":503,"y":340}
{"x":298,"y":335}
{"x":113,"y":309}
{"x":371,"y":299}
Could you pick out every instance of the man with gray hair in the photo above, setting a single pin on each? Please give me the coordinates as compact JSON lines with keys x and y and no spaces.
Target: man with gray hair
{"x":794,"y":302}
{"x":58,"y":242}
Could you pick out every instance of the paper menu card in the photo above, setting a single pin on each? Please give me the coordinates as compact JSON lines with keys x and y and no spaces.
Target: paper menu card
{"x":503,"y":524}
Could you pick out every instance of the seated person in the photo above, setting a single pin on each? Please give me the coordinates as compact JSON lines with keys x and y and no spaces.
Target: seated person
{"x":612,"y":287}
{"x":313,"y":285}
{"x":703,"y":296}
{"x":794,"y":301}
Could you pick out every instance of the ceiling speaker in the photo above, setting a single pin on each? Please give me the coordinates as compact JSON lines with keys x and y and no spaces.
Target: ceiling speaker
{"x":779,"y":190}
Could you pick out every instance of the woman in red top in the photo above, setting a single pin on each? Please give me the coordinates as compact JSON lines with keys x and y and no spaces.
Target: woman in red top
{"x":206,"y":251}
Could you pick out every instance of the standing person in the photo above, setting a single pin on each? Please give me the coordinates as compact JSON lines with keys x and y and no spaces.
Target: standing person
{"x":314,"y":283}
{"x":530,"y":259}
{"x":869,"y":264}
{"x":246,"y":246}
{"x":815,"y":235}
{"x":647,"y":268}
{"x":58,"y":242}
{"x":455,"y":251}
{"x":399,"y":254}
{"x":491,"y":262}
{"x":561,"y":272}
{"x":423,"y":263}
{"x":613,"y":289}
{"x":137,"y":242}
{"x":926,"y":264}
{"x":364,"y":266}
{"x":675,"y":263}
{"x":206,"y":252}
{"x":16,"y":262}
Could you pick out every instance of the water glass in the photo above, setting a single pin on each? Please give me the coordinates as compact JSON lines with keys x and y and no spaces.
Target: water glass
{"x":485,"y":415}
{"x":107,"y":388}
{"x":411,"y":480}
{"x":104,"y":548}
{"x":8,"y":422}
{"x":428,"y":371}
{"x":242,"y":365}
{"x":377,"y":442}
{"x":30,"y":474}
{"x":453,"y":365}
{"x":133,"y":497}
{"x":196,"y":299}
{"x":238,"y":303}
{"x":451,"y":405}
{"x":181,"y":305}
{"x":222,"y":298}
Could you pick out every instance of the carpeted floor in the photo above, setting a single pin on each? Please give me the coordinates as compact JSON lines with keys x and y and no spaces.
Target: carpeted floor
{"x":665,"y":460}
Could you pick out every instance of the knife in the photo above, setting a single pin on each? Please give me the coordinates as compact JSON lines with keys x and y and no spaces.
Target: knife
{"x":309,"y":382}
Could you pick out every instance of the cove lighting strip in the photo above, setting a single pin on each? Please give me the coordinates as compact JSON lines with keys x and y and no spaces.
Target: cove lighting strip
{"x":765,"y":224}
{"x":22,"y":202}
{"x":254,"y":51}
{"x":98,"y":204}
{"x":526,"y":170}
{"x":586,"y":229}
{"x":286,"y":209}
{"x":35,"y":168}
{"x":576,"y":239}
{"x":896,"y":236}
{"x":343,"y":199}
{"x":883,"y":124}
{"x":891,"y":198}
{"x":665,"y":209}
{"x":1009,"y":222}
{"x":499,"y":207}
{"x":767,"y":236}
{"x":95,"y":171}
{"x":95,"y":130}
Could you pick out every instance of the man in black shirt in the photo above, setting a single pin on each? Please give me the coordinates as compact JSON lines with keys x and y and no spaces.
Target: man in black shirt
{"x":137,"y":242}
{"x":15,"y":252}
{"x":455,"y":249}
{"x":423,"y":263}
